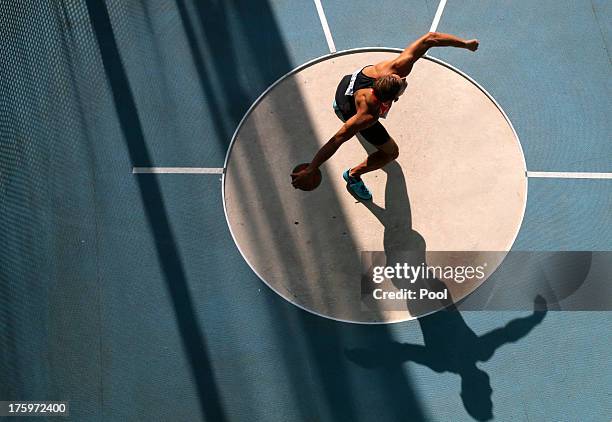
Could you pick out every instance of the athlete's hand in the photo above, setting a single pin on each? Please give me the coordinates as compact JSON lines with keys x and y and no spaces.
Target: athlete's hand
{"x":472,"y":45}
{"x":302,"y":176}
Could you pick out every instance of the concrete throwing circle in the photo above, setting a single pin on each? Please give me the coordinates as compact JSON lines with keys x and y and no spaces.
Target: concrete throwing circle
{"x":459,"y":184}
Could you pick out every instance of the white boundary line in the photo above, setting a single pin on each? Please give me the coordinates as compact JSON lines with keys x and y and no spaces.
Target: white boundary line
{"x":323,"y":19}
{"x":436,"y":21}
{"x":177,"y":170}
{"x":304,"y":66}
{"x":568,"y":175}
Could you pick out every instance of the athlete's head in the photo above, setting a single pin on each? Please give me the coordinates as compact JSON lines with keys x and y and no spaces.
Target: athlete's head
{"x":389,"y":87}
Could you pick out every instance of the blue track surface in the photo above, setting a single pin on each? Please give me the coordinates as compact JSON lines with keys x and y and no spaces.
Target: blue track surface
{"x":126,"y":294}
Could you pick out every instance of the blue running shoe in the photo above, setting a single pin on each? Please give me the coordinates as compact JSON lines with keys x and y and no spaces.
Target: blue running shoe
{"x":357,"y":186}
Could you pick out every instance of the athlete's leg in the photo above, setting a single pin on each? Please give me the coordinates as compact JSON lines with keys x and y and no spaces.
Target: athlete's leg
{"x":387,"y":150}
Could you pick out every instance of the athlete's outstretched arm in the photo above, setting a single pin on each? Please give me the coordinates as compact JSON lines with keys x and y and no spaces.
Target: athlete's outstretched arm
{"x":359,"y":121}
{"x":403,"y":64}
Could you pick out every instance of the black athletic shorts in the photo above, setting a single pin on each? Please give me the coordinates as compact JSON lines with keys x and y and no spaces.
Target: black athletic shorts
{"x":375,"y":134}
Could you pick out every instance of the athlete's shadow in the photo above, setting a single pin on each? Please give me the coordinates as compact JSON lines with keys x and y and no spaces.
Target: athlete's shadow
{"x":450,"y":344}
{"x":402,"y":244}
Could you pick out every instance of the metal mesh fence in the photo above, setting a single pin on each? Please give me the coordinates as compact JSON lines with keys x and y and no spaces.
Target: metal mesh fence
{"x":53,"y":101}
{"x":72,"y":126}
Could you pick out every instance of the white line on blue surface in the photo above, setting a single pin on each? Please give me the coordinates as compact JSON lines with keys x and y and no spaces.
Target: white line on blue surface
{"x":177,"y":170}
{"x":323,"y":19}
{"x":568,"y":175}
{"x":436,"y":21}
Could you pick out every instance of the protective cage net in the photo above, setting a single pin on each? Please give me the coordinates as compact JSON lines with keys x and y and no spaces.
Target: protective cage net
{"x":66,"y":123}
{"x":53,"y":100}
{"x":88,"y":90}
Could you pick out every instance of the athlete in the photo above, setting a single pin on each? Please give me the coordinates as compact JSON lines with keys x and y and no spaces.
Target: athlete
{"x":366,"y":96}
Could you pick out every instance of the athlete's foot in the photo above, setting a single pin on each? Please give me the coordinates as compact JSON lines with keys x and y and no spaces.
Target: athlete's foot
{"x":352,"y":175}
{"x":357,"y":186}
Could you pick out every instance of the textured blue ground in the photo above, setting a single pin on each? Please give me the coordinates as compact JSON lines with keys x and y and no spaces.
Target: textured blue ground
{"x":548,"y":65}
{"x":126,"y":295}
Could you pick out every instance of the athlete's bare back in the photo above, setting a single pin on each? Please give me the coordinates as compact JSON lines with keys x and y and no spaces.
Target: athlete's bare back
{"x":402,"y":65}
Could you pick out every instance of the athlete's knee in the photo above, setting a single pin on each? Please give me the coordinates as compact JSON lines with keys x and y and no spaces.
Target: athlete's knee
{"x":393,"y":151}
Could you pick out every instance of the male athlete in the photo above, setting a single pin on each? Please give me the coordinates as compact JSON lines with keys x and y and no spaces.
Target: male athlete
{"x":364,"y":97}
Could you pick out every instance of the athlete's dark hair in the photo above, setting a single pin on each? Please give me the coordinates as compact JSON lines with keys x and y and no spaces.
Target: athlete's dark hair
{"x":387,"y":87}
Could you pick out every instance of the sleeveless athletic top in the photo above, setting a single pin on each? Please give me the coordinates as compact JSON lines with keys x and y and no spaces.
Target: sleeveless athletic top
{"x":360,"y":81}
